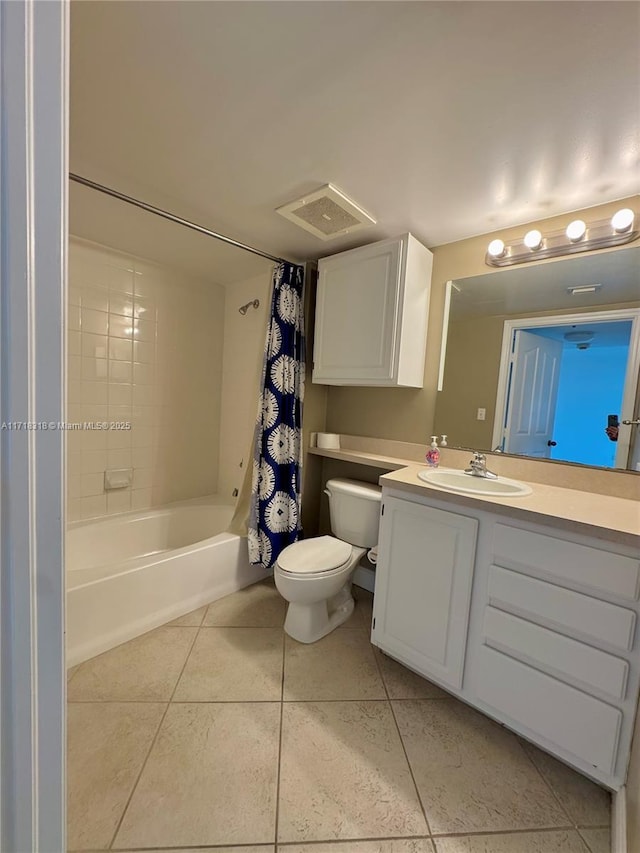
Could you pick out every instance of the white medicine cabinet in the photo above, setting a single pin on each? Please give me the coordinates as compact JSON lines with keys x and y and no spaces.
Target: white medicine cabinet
{"x":371,"y":315}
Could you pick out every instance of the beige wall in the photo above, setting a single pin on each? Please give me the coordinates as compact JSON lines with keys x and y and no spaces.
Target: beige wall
{"x":407,"y":414}
{"x":244,"y":339}
{"x":145,"y":346}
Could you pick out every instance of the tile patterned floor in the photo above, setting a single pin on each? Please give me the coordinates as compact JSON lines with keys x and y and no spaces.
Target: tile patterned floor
{"x":219,"y":733}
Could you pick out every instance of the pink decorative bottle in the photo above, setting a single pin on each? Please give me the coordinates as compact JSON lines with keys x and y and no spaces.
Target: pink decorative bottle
{"x":433,"y":454}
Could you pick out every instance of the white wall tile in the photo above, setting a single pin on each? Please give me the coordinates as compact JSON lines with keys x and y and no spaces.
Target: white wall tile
{"x":121,"y":303}
{"x":94,"y":369}
{"x":119,"y":501}
{"x":94,"y":461}
{"x":94,"y":392}
{"x":140,"y":498}
{"x":94,"y":346}
{"x":119,"y":458}
{"x":120,"y":371}
{"x":174,"y":405}
{"x":120,"y":349}
{"x":96,"y":322}
{"x":120,"y":394}
{"x":92,"y":507}
{"x":95,"y":298}
{"x":92,"y":484}
{"x":121,"y":327}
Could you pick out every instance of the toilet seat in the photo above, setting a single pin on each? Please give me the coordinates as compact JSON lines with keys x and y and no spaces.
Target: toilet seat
{"x":317,"y":556}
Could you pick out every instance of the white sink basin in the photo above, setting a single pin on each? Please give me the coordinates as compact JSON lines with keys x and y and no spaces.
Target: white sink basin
{"x":453,"y":480}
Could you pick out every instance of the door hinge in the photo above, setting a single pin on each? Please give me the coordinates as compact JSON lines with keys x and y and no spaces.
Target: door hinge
{"x":382,"y":510}
{"x":374,"y":622}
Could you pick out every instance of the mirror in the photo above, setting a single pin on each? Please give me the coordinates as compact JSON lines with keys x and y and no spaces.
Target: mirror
{"x":540,"y":360}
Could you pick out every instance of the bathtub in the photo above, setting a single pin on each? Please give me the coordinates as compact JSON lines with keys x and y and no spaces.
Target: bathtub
{"x":129,"y":573}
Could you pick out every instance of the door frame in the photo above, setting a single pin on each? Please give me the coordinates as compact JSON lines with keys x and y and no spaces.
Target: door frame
{"x":34,"y":50}
{"x":582,"y":318}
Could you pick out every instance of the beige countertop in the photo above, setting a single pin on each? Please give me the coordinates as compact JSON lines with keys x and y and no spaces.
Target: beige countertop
{"x":603,"y":516}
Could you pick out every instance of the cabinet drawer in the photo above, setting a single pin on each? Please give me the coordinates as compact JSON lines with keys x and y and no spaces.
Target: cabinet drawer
{"x":575,"y":722}
{"x":612,"y":574}
{"x":569,"y":660}
{"x":555,"y":606}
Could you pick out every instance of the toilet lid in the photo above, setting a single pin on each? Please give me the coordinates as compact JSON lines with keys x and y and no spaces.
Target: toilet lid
{"x":310,"y":556}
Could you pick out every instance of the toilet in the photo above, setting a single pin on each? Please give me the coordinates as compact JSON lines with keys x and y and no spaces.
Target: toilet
{"x":314,"y":575}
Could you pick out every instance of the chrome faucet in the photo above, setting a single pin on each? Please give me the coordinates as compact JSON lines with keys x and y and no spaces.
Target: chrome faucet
{"x":478,"y":467}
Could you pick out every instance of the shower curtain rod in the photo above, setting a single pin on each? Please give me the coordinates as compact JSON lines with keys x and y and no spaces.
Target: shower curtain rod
{"x":172,"y":218}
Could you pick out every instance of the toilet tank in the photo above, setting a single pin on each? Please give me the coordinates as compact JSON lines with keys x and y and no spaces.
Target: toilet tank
{"x":355,"y":511}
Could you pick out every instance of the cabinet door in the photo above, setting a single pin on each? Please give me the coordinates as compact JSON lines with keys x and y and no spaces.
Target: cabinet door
{"x":357,"y":316}
{"x":423,"y":587}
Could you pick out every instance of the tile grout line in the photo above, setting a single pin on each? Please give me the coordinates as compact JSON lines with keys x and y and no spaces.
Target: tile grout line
{"x":548,"y":784}
{"x":404,"y":750}
{"x":584,"y":840}
{"x":153,"y":742}
{"x":278,"y":770}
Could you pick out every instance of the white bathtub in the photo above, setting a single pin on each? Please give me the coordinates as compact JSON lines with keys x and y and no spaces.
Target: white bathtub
{"x":129,"y":573}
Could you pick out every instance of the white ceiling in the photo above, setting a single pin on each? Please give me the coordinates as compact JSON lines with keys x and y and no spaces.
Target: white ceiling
{"x":448,"y":119}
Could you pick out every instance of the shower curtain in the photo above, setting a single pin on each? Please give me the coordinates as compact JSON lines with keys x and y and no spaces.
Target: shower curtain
{"x":274,"y":516}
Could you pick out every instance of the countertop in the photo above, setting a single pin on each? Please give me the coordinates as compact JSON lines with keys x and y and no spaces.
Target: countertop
{"x":605,"y":517}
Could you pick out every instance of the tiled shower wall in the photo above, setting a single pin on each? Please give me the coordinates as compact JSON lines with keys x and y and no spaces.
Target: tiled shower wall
{"x":145,"y":346}
{"x":244,"y":339}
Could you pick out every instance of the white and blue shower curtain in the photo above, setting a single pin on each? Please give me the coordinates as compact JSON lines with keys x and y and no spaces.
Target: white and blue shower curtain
{"x":274,"y":516}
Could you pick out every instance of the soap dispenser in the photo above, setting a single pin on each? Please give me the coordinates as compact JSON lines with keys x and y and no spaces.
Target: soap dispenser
{"x":433,"y":454}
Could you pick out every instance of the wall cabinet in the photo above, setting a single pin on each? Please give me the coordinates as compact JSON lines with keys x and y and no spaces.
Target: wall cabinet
{"x":534,"y":626}
{"x":372,"y":310}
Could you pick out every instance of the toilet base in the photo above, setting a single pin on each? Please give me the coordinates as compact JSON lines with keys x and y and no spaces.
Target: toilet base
{"x":308,"y":623}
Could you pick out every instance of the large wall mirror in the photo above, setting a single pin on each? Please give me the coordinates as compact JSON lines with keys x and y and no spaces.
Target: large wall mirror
{"x":544,"y":361}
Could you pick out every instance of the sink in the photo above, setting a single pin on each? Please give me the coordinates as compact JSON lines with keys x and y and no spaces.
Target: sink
{"x":453,"y":480}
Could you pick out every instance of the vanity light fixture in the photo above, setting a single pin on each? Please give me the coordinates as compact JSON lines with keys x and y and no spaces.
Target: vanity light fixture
{"x":576,"y":230}
{"x":578,"y":236}
{"x":533,"y":239}
{"x":622,"y":221}
{"x":496,"y":249}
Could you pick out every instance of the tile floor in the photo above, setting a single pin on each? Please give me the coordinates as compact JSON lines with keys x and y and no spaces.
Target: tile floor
{"x":219,"y":732}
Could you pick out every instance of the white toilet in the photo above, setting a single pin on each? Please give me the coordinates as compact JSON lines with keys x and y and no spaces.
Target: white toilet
{"x":314,"y":575}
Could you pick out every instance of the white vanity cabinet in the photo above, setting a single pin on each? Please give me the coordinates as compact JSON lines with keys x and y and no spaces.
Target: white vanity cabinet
{"x":534,"y":625}
{"x":372,"y":309}
{"x":423,"y":587}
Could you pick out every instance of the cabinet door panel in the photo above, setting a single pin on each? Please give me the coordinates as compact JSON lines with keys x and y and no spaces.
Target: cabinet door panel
{"x":423,"y":587}
{"x":357,"y":311}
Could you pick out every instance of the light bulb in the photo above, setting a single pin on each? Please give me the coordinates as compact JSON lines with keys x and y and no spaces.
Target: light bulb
{"x":622,"y":220}
{"x":533,"y":239}
{"x":496,"y":248}
{"x":576,"y":230}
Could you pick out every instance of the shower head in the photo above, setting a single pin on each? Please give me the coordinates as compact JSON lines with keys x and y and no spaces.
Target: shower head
{"x":254,"y":303}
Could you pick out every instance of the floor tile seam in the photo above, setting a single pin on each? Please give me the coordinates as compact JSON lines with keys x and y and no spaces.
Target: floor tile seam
{"x":402,"y":744}
{"x":249,"y":702}
{"x":256,"y":627}
{"x":279,"y":762}
{"x":588,"y":846}
{"x":153,"y":742}
{"x":535,"y":830}
{"x":548,"y":784}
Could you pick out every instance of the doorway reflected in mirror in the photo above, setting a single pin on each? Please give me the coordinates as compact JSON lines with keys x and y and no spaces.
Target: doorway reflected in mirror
{"x":534,"y":368}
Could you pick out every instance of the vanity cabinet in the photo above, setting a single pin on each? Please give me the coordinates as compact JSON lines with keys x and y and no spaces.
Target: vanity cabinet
{"x":372,"y":309}
{"x":423,"y":588}
{"x":533,"y":625}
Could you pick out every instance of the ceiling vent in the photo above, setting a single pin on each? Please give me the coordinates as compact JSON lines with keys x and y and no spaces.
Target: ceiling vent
{"x":326,"y":213}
